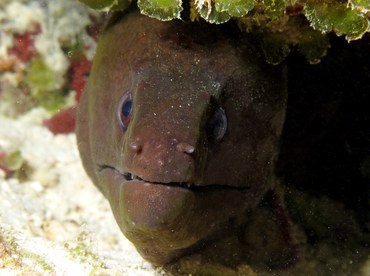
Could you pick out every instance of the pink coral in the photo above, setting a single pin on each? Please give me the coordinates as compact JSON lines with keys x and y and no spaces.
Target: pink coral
{"x":63,"y":122}
{"x":24,"y":48}
{"x":80,"y":71}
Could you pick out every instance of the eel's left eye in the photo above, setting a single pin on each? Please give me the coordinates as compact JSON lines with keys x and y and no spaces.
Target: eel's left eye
{"x":125,"y":110}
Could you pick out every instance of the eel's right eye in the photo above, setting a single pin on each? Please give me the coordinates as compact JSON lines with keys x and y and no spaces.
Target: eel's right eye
{"x":217,"y":125}
{"x":125,"y":110}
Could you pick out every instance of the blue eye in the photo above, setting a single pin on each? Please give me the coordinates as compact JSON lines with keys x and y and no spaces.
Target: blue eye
{"x":125,"y":110}
{"x":217,"y":125}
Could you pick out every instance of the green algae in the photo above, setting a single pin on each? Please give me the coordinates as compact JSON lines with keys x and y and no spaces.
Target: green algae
{"x":80,"y":249}
{"x":161,"y":9}
{"x":12,"y":256}
{"x":12,"y":161}
{"x":338,"y":18}
{"x":212,"y":15}
{"x":285,"y":23}
{"x":313,"y":45}
{"x":44,"y":85}
{"x":274,"y":8}
{"x":235,"y":8}
{"x":107,"y":4}
{"x":362,"y":5}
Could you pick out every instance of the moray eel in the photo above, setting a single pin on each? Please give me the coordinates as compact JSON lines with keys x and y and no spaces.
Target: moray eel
{"x":179,"y":128}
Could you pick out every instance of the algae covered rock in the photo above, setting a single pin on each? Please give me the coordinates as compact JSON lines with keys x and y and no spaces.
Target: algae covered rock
{"x":283,"y":23}
{"x":107,"y":4}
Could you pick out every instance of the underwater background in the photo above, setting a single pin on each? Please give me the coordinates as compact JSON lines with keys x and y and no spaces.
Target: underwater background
{"x":52,"y":218}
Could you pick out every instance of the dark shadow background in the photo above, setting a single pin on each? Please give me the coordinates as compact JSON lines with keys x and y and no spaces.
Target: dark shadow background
{"x":326,"y":137}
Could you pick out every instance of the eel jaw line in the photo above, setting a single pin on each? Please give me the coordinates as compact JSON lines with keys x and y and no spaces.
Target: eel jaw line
{"x":186,"y":185}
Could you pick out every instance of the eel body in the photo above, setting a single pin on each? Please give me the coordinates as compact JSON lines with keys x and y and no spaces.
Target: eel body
{"x":179,"y":128}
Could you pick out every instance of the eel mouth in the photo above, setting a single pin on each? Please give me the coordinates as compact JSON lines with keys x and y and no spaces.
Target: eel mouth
{"x":128,"y":177}
{"x":165,"y":220}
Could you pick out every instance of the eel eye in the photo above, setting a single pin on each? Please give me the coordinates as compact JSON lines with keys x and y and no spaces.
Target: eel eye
{"x":217,"y":125}
{"x":125,"y":110}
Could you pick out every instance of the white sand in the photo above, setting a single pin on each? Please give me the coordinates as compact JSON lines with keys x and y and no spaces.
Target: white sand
{"x":56,"y":221}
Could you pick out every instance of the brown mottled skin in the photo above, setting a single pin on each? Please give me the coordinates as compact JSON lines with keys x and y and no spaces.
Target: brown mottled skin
{"x":176,"y":73}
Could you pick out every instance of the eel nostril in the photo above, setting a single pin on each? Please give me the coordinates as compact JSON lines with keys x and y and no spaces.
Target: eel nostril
{"x":185,"y":147}
{"x":136,"y":146}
